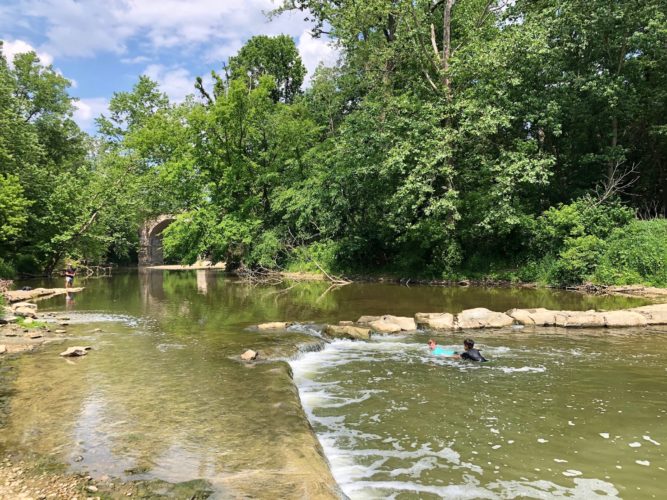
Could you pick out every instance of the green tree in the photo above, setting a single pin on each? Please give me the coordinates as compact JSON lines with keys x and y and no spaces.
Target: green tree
{"x":276,"y":56}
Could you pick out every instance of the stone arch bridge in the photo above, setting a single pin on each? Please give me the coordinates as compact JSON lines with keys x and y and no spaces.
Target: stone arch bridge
{"x":150,"y":240}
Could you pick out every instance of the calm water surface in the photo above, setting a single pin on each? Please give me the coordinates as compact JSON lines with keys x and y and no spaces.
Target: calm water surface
{"x":553,"y":414}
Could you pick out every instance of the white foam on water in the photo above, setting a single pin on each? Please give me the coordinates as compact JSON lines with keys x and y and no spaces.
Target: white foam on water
{"x":572,"y":473}
{"x":645,"y":463}
{"x":523,"y":369}
{"x":605,"y":435}
{"x":583,"y":488}
{"x":648,"y":438}
{"x":634,"y":445}
{"x":363,"y":470}
{"x":542,"y":440}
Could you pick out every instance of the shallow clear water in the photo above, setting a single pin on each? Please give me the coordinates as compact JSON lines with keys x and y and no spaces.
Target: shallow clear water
{"x":162,"y":395}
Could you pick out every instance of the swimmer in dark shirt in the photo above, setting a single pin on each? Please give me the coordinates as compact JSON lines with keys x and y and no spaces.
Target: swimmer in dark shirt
{"x":470,"y":353}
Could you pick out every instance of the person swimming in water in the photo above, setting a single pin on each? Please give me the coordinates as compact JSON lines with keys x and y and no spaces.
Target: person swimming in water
{"x":471,"y":353}
{"x":436,"y":350}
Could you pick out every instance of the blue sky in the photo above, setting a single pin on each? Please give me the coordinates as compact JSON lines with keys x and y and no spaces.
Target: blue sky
{"x":104,"y":45}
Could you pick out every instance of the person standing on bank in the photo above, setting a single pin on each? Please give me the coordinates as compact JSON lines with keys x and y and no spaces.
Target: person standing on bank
{"x":70,"y":272}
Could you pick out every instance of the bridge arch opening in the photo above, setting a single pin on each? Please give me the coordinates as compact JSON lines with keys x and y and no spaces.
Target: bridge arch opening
{"x":151,"y":252}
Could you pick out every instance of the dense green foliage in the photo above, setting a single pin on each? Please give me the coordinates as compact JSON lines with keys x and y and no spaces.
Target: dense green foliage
{"x":58,"y":197}
{"x":455,"y":139}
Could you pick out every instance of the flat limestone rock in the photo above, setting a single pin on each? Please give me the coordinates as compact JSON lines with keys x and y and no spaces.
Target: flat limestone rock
{"x":348,"y":332}
{"x":615,"y":319}
{"x":481,"y":317}
{"x":580,"y":319}
{"x":76,"y":351}
{"x":533,"y":317}
{"x":35,"y":293}
{"x":3,"y":348}
{"x":275,"y":325}
{"x":249,"y":355}
{"x":28,"y":305}
{"x":25,"y":312}
{"x":655,"y":314}
{"x":383,"y":326}
{"x":346,"y":323}
{"x":406,"y":324}
{"x":365,"y":320}
{"x":436,"y":321}
{"x":35,"y":335}
{"x":60,"y":331}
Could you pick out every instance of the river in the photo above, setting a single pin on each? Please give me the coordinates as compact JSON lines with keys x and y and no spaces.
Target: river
{"x":554,"y":414}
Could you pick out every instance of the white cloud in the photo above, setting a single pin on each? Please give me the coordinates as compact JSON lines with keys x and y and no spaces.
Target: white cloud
{"x":83,"y":29}
{"x":11,"y":48}
{"x":87,"y":110}
{"x":176,"y":82}
{"x":135,"y":60}
{"x":315,"y":51}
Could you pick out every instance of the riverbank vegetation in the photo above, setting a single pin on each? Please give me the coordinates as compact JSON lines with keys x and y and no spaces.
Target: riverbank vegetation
{"x":518,"y":140}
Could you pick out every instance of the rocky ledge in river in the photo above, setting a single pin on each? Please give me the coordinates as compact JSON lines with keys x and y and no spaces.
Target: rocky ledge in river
{"x":482,"y":318}
{"x":37,"y":293}
{"x":655,"y":314}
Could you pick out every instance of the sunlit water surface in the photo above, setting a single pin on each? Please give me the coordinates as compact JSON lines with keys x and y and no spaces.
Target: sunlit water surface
{"x":553,"y":414}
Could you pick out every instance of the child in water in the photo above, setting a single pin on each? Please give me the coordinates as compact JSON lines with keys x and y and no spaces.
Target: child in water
{"x":471,"y":353}
{"x":439,"y":351}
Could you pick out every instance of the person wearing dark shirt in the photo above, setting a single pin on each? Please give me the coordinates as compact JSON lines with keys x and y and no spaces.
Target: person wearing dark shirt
{"x":471,"y":353}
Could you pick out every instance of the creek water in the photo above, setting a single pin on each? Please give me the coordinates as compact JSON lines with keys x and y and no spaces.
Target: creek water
{"x":553,"y":414}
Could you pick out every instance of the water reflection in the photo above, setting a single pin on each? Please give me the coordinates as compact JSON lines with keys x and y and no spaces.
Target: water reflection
{"x":162,"y":395}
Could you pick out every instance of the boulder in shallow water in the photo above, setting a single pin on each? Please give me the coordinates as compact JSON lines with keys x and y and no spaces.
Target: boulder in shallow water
{"x":580,"y":319}
{"x":365,"y":320}
{"x":655,"y":314}
{"x":481,"y":317}
{"x":275,"y":325}
{"x":249,"y":355}
{"x":393,"y":324}
{"x":436,"y":321}
{"x":25,"y":312}
{"x":533,"y":317}
{"x":76,"y":351}
{"x":614,"y":319}
{"x":348,"y":332}
{"x":28,"y":305}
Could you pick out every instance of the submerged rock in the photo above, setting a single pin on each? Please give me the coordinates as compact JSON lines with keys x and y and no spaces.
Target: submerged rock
{"x":481,"y":317}
{"x":275,"y":325}
{"x":348,"y":332}
{"x":436,"y":321}
{"x":249,"y":355}
{"x":76,"y":351}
